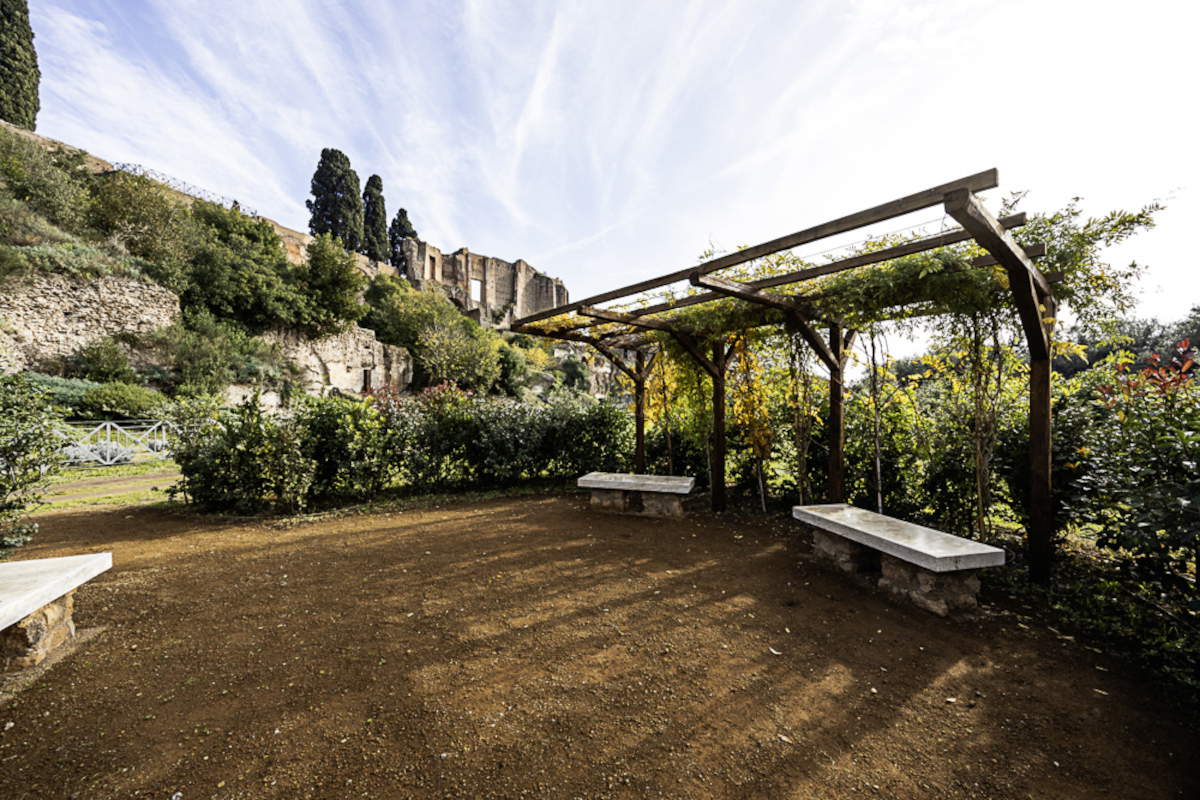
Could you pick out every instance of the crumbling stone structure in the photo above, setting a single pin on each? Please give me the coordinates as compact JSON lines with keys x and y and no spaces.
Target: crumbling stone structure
{"x":492,"y":291}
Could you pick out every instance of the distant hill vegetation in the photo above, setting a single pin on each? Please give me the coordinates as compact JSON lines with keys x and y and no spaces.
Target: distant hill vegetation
{"x":62,"y":212}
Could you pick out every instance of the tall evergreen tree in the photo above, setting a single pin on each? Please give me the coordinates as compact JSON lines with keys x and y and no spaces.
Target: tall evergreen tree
{"x":399,"y":230}
{"x":336,"y":205}
{"x":375,"y":224}
{"x":19,"y":73}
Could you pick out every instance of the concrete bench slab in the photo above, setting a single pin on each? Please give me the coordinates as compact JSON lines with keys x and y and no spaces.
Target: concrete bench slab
{"x":654,"y":495}
{"x":928,"y":548}
{"x":933,"y":569}
{"x":37,"y":603}
{"x":629,"y":482}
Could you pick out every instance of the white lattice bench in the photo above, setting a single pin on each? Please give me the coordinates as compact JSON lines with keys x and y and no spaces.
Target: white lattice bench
{"x":936,"y":571}
{"x":37,"y":599}
{"x":654,"y":495}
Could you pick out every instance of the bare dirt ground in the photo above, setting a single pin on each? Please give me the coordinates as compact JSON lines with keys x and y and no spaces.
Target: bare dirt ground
{"x":530,"y":647}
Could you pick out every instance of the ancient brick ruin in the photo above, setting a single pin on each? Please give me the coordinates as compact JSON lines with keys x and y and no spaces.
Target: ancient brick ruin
{"x":488,"y":289}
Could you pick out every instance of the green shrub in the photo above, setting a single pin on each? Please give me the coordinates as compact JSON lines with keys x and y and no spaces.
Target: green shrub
{"x":583,"y":435}
{"x":513,"y":369}
{"x":446,"y":346}
{"x":205,"y":355}
{"x":29,"y":453}
{"x":20,"y":225}
{"x":147,"y":221}
{"x":348,"y":442}
{"x":446,"y":437}
{"x":245,"y":461}
{"x":239,"y":272}
{"x":121,"y":401}
{"x":51,"y":183}
{"x":458,"y":352}
{"x":1138,"y":471}
{"x":331,"y":284}
{"x":66,"y":393}
{"x":575,"y":375}
{"x":103,"y":361}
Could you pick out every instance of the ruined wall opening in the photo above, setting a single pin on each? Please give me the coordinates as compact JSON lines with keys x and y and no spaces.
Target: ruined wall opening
{"x":477,"y":290}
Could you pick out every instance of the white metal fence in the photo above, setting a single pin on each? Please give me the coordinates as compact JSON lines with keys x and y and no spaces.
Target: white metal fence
{"x":106,"y":442}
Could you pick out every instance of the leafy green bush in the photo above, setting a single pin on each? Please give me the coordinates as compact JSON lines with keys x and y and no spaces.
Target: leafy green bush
{"x":246,"y":461}
{"x":331,"y":284}
{"x":20,"y":225}
{"x":29,"y":454}
{"x":348,"y":442}
{"x":121,"y":401}
{"x":348,"y":449}
{"x":448,"y":437}
{"x":1138,"y":479}
{"x":446,"y":346}
{"x":239,"y":272}
{"x":103,"y":361}
{"x":206,"y":355}
{"x":458,"y":352}
{"x":583,"y":435}
{"x":66,"y":393}
{"x":147,"y":221}
{"x":513,"y":369}
{"x":50,"y":183}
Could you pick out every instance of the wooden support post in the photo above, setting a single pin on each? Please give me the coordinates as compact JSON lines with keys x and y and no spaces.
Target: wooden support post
{"x":639,"y":414}
{"x":1039,"y":539}
{"x":717,"y":445}
{"x":837,"y":418}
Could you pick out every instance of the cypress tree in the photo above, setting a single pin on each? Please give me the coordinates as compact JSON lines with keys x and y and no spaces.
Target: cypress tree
{"x":19,"y":73}
{"x":336,"y":205}
{"x":375,"y":225}
{"x":399,"y":230}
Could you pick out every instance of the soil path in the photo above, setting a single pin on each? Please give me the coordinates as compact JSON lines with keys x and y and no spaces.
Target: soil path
{"x":532,"y":648}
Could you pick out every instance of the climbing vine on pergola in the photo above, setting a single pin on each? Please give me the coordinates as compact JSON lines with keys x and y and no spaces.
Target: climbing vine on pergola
{"x":826,"y":304}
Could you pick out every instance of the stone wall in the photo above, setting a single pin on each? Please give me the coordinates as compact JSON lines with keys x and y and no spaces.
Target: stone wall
{"x":489,"y":289}
{"x":46,"y":317}
{"x":350,"y":362}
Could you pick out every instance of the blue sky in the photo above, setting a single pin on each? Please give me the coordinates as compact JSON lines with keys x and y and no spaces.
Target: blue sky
{"x":605,"y":142}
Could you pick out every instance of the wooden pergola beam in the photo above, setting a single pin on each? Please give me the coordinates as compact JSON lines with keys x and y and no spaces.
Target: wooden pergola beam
{"x":841,"y":265}
{"x":797,"y":314}
{"x":981,"y":181}
{"x":1028,"y":285}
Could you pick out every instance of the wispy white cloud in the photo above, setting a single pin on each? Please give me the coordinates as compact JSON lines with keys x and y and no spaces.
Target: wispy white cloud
{"x":604,"y":142}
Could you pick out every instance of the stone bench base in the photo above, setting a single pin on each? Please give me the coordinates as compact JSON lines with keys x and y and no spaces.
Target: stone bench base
{"x":652,"y":504}
{"x":28,"y":642}
{"x":942,"y":593}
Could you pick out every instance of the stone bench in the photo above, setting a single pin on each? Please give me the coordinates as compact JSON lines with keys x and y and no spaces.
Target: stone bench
{"x":653,"y":495}
{"x":37,"y":599}
{"x":936,"y":571}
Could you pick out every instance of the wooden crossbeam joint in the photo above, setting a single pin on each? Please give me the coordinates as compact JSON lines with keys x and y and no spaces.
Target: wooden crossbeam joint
{"x":692,"y":345}
{"x":1027,"y":283}
{"x":744,"y":292}
{"x":798,"y":314}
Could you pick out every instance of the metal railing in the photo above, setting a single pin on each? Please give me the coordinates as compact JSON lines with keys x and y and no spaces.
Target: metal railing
{"x":184,"y":187}
{"x":107,"y":442}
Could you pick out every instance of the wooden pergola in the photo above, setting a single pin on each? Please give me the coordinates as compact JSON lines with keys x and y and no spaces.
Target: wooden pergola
{"x":621,"y":336}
